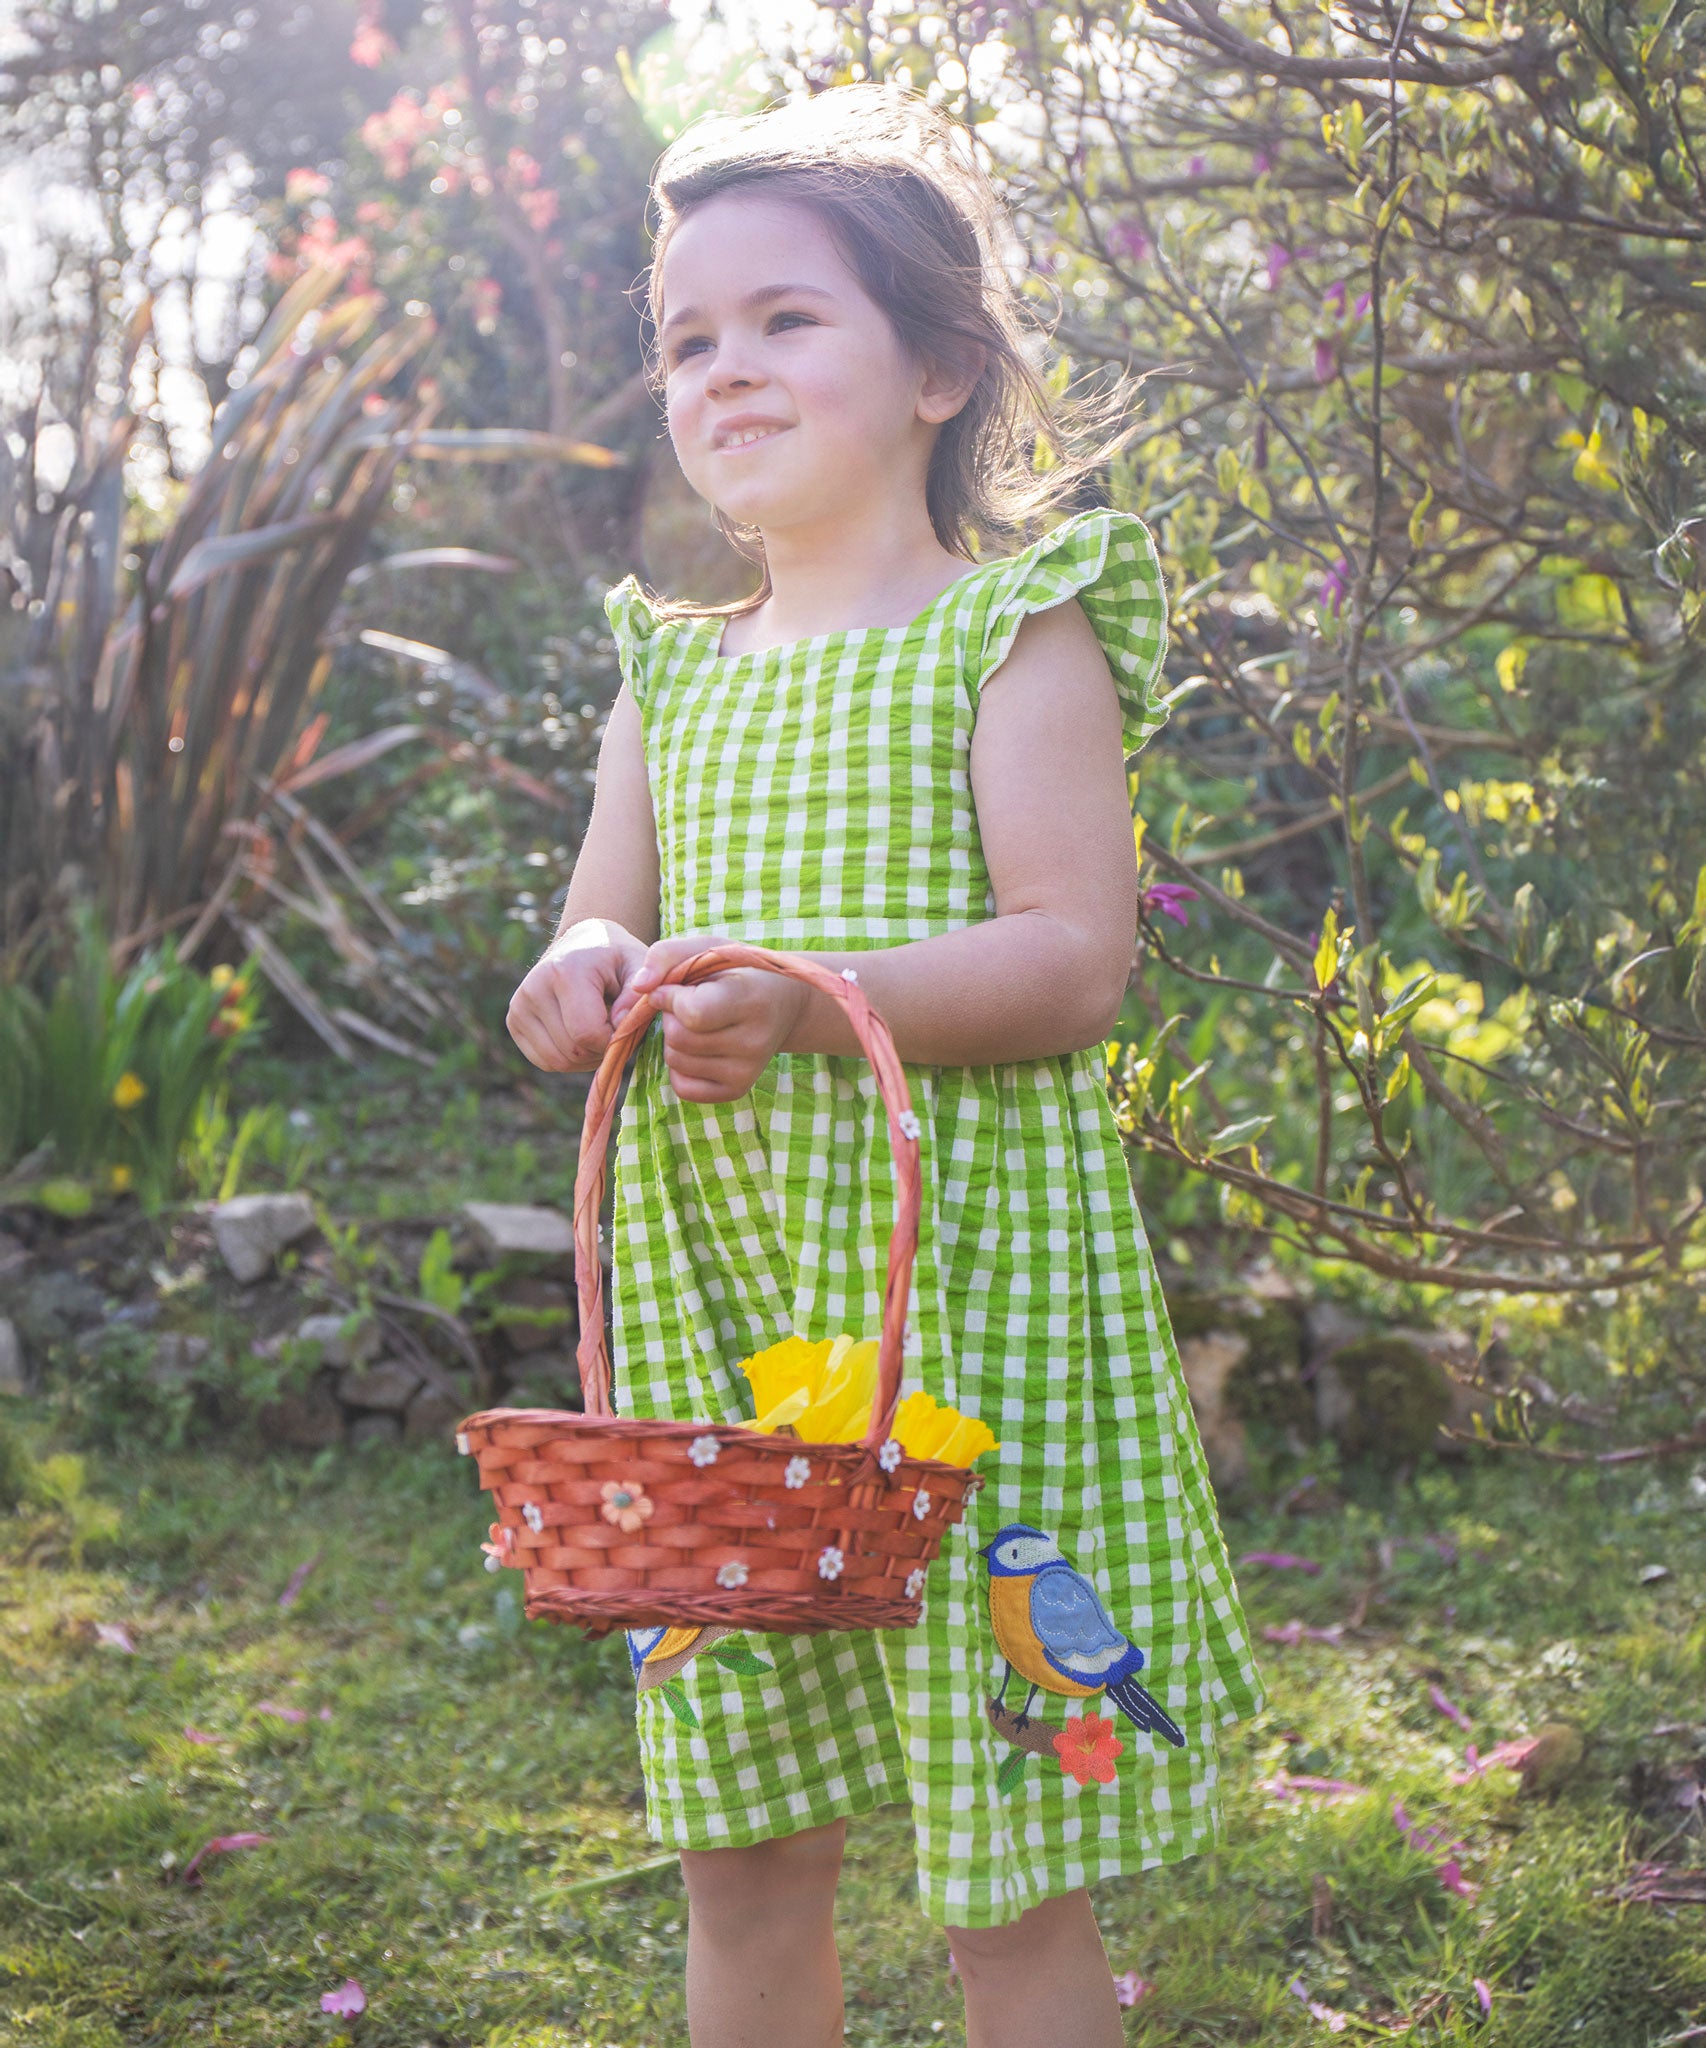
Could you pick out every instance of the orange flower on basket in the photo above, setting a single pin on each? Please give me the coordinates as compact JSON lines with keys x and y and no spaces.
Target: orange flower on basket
{"x":626,"y":1505}
{"x":1087,"y":1749}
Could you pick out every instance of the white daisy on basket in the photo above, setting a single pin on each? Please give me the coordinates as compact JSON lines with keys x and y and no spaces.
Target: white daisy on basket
{"x":733,"y":1574}
{"x":920,"y":1505}
{"x":704,"y":1450}
{"x":534,"y":1518}
{"x":915,"y":1582}
{"x":829,"y":1562}
{"x":891,"y":1454}
{"x":796,"y":1472}
{"x":910,"y":1127}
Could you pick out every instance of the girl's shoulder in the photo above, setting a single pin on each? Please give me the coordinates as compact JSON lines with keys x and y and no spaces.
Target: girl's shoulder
{"x":1108,"y":561}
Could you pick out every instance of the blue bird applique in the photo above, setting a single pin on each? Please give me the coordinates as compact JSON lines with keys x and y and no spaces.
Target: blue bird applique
{"x":1053,"y":1630}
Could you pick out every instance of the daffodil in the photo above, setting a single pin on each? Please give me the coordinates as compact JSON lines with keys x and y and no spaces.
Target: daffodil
{"x":222,"y":977}
{"x":128,"y":1091}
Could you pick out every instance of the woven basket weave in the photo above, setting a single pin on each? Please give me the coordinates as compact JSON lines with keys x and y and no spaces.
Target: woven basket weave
{"x":744,"y":1531}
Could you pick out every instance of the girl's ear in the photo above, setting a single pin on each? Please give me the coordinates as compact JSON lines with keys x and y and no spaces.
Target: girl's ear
{"x":949,"y":382}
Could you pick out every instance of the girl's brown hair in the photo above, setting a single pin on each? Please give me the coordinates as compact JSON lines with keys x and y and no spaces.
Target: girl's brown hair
{"x":921,"y":228}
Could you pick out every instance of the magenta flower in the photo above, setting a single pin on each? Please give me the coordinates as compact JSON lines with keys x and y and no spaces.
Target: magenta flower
{"x":1166,"y":899}
{"x":348,"y":1999}
{"x":1362,"y":305}
{"x":1336,"y":586}
{"x":1279,"y":262}
{"x":220,"y":1845}
{"x":279,"y":1713}
{"x":1198,"y":166}
{"x":1326,"y":362}
{"x":1127,"y":239}
{"x":1335,"y":296}
{"x":1484,"y":1997}
{"x":1262,"y":163}
{"x":1131,"y":1987}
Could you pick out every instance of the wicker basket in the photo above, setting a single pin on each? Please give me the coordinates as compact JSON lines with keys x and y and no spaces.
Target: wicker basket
{"x":724,"y":1527}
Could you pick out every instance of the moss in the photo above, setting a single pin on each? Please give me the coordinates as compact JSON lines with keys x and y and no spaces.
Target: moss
{"x":1398,"y":1397}
{"x":1266,"y":1390}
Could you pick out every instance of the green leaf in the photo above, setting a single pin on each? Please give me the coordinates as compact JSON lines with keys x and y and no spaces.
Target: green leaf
{"x":1233,"y":1135}
{"x":1327,"y":952}
{"x":675,"y":1694}
{"x":737,"y":1657}
{"x":1012,"y":1769}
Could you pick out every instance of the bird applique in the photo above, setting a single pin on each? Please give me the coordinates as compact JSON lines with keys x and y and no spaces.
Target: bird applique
{"x":658,"y":1654}
{"x":1053,"y":1630}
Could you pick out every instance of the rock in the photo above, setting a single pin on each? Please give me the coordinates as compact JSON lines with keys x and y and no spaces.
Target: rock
{"x":551,"y":1380}
{"x":337,"y":1348}
{"x":506,"y":1229}
{"x":367,"y":1430}
{"x":387,"y":1386}
{"x":176,"y":1361}
{"x":306,"y":1421}
{"x":1326,"y":1327}
{"x":545,"y":1313}
{"x":1208,"y":1362}
{"x":11,"y":1358}
{"x":251,"y":1231}
{"x":431,"y":1418}
{"x":52,"y":1308}
{"x":1382,"y":1399}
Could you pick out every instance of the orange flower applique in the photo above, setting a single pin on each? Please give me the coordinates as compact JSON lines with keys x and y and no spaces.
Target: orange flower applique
{"x":1087,"y":1748}
{"x":626,"y":1505}
{"x":501,"y":1549}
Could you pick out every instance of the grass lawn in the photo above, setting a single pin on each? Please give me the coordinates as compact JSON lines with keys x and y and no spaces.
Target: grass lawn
{"x":454,"y":1821}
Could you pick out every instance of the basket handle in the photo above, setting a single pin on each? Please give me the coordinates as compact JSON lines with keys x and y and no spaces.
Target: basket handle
{"x":878,"y":1046}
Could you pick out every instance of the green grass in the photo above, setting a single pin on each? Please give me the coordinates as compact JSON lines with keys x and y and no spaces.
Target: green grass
{"x":474,"y":1768}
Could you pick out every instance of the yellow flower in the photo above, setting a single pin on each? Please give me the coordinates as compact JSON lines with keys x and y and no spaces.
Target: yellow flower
{"x":118,"y":1178}
{"x":824,"y":1392}
{"x":128,"y":1091}
{"x":925,"y":1429}
{"x":222,"y":977}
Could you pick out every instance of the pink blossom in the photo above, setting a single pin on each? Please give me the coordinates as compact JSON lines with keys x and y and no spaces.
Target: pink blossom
{"x":297,"y":1580}
{"x":1198,"y":166}
{"x":200,"y":1737}
{"x":1282,"y":1787}
{"x":302,"y":184}
{"x":1484,"y":1996}
{"x":348,"y":1999}
{"x":371,"y":46}
{"x":279,"y":1713}
{"x":1131,"y":1987}
{"x":1279,"y":262}
{"x":1334,"y":296}
{"x":539,"y":208}
{"x":1513,"y":1755}
{"x":1326,"y":362}
{"x":115,"y":1636}
{"x":1336,"y":586}
{"x":1262,"y":163}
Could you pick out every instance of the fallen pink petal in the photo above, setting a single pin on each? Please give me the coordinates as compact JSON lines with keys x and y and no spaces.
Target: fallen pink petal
{"x":1131,"y":1987}
{"x":1282,"y":1786}
{"x":220,"y":1845}
{"x":1295,"y":1632}
{"x":115,"y":1636}
{"x":1451,"y":1876}
{"x":1513,"y":1755}
{"x":325,"y":1713}
{"x":1449,"y":1708}
{"x":200,"y":1736}
{"x":348,"y":1999}
{"x":1334,"y":2022}
{"x":297,"y":1580}
{"x":1281,"y":1561}
{"x":1483,"y":1996}
{"x":279,"y":1713}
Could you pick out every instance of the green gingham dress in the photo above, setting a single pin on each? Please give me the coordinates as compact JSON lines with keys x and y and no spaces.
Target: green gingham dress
{"x":818,"y":796}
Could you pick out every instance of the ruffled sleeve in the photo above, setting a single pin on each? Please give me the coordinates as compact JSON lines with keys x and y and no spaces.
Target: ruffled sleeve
{"x":634,"y":624}
{"x":1107,"y":561}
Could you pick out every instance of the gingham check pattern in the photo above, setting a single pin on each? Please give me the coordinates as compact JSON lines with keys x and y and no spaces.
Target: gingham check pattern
{"x":818,"y":795}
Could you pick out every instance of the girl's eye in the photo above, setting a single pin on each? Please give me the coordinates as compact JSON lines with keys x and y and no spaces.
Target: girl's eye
{"x":696,"y":343}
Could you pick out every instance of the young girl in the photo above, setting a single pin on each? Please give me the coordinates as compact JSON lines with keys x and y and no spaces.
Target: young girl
{"x":914,"y":768}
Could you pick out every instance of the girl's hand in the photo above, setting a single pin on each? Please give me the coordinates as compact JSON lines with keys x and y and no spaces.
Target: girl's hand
{"x":719,"y":1035}
{"x":563,"y":1013}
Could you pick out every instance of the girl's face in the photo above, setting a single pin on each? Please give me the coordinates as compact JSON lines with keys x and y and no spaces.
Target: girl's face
{"x":790,"y":397}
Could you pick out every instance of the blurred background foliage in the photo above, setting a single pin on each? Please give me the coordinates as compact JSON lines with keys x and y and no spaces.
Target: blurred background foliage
{"x":325,"y":431}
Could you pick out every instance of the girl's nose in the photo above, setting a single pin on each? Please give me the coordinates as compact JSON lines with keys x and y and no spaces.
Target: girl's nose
{"x":733,"y":369}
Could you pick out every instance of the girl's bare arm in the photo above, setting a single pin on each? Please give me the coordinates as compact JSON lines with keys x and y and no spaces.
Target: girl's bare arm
{"x":1047,"y":973}
{"x":560,"y":1015}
